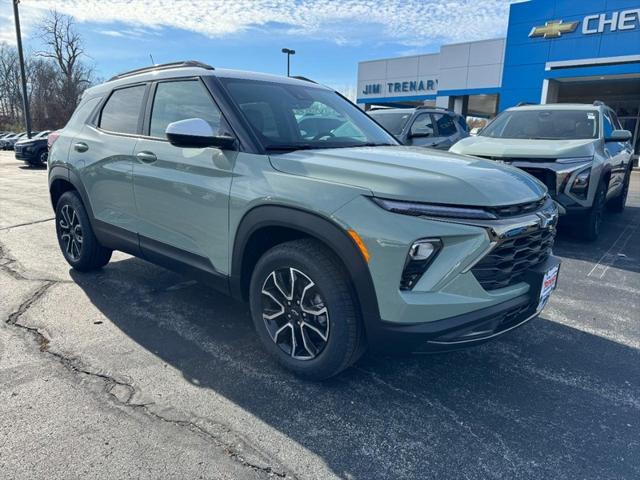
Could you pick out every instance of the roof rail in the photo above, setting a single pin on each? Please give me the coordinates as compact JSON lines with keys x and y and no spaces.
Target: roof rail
{"x":522,"y":104}
{"x":304,"y":79}
{"x":599,"y":103}
{"x":163,"y":66}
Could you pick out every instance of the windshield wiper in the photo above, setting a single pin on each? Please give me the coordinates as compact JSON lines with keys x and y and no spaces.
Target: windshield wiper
{"x":288,"y":147}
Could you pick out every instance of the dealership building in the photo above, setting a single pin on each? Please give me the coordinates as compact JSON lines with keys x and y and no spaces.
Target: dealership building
{"x":554,"y":51}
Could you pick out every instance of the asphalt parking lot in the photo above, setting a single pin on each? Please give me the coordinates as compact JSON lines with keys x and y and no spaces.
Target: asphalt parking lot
{"x":137,"y":372}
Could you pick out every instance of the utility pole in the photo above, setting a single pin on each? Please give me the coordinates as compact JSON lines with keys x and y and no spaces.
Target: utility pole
{"x":25,"y":99}
{"x":289,"y":52}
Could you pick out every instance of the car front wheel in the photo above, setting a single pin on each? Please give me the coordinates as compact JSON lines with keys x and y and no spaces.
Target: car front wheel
{"x":593,"y":221}
{"x":304,"y":311}
{"x":617,"y":204}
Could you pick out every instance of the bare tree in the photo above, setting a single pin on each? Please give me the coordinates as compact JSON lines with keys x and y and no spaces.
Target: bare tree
{"x":65,"y":49}
{"x":56,"y":77}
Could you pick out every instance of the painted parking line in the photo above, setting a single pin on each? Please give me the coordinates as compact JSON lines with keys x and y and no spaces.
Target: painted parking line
{"x":614,"y":253}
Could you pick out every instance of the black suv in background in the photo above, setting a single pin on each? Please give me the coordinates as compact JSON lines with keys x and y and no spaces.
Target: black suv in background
{"x":422,"y":126}
{"x":33,"y":150}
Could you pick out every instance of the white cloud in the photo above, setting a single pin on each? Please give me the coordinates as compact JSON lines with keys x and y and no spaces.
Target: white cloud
{"x":410,"y":22}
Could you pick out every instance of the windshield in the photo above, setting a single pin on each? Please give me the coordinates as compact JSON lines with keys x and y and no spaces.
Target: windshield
{"x":291,"y":117}
{"x":544,"y":125}
{"x":394,"y":122}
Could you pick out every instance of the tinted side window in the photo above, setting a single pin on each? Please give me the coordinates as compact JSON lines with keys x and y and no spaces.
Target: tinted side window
{"x":422,"y":125}
{"x":445,"y":124}
{"x":122,"y":110}
{"x":82,"y":112}
{"x":608,"y":125}
{"x":616,"y":123}
{"x":175,"y":101}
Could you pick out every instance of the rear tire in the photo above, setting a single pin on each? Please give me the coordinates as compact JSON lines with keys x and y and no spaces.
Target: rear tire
{"x":304,"y":309}
{"x":617,"y":204}
{"x":77,"y":241}
{"x":593,"y":220}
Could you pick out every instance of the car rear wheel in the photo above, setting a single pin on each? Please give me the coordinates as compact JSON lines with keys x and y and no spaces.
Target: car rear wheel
{"x":593,"y":221}
{"x":77,"y":241}
{"x":304,"y":311}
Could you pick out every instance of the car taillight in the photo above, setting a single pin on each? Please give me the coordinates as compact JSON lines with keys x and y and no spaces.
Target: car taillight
{"x":52,"y":137}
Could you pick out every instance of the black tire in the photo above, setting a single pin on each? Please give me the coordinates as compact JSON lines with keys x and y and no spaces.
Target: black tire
{"x":618,"y":203}
{"x":311,"y":263}
{"x":593,"y":220}
{"x":42,"y":157}
{"x":77,"y":241}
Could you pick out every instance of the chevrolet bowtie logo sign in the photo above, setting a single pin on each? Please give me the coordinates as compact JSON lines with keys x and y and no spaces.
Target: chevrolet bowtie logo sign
{"x":553,"y":29}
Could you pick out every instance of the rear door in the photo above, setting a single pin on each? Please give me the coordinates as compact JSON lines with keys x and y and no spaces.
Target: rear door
{"x":102,"y":154}
{"x":182,"y":194}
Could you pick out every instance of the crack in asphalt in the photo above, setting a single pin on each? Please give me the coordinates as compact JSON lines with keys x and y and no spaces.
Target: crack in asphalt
{"x":27,"y":224}
{"x":113,"y":385}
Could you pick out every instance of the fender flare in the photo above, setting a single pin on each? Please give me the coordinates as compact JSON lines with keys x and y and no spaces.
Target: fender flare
{"x":58,"y":172}
{"x":316,"y":226}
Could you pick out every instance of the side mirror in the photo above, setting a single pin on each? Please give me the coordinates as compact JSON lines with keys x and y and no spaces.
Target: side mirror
{"x":619,"y":136}
{"x":196,"y":133}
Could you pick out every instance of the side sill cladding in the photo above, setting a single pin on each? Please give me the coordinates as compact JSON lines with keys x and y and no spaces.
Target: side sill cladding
{"x":315,"y":226}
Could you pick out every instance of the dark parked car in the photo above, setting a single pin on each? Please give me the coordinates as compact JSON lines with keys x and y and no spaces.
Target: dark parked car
{"x":8,"y":140}
{"x":33,"y":150}
{"x":423,"y":126}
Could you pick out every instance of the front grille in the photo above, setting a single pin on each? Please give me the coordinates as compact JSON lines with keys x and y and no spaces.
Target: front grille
{"x":508,"y":262}
{"x":548,"y":177}
{"x":520,"y":209}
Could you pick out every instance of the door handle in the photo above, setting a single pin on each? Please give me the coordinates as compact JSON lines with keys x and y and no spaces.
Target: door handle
{"x":147,"y":157}
{"x":80,"y":147}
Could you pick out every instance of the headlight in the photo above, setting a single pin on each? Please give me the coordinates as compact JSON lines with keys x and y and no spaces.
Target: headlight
{"x":431,"y":210}
{"x":574,"y":160}
{"x":420,"y":256}
{"x":580,"y":185}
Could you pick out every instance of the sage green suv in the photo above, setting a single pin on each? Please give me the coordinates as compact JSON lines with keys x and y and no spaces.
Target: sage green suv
{"x":340,"y":239}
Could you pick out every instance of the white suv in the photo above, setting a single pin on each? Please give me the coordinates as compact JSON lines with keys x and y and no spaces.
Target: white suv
{"x":580,"y":152}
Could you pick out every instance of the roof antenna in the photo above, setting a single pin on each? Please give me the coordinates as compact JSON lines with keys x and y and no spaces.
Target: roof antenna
{"x":151,"y":57}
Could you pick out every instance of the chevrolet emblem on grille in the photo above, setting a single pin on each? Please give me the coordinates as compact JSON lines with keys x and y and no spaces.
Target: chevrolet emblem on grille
{"x":546,"y":218}
{"x":553,"y":29}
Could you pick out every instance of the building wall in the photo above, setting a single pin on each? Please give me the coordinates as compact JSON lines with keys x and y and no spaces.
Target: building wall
{"x":530,"y":61}
{"x":472,"y":66}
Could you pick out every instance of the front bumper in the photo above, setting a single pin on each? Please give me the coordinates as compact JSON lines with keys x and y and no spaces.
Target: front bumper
{"x":464,"y":330}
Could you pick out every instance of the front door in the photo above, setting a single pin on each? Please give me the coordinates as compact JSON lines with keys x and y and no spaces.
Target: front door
{"x":182,"y":194}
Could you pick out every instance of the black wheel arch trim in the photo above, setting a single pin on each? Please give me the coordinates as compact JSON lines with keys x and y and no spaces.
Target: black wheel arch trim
{"x":316,"y":226}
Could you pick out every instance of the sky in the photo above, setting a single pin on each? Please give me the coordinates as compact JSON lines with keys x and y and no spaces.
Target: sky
{"x":330,"y":36}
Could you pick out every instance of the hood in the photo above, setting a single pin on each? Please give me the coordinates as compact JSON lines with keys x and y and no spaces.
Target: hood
{"x":415,"y":174}
{"x":523,"y":148}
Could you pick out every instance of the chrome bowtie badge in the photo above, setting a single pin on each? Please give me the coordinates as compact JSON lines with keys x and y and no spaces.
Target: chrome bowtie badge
{"x":553,"y":29}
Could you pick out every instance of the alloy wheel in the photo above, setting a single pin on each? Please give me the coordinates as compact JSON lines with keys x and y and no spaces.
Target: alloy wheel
{"x":295,"y":313}
{"x":70,"y":232}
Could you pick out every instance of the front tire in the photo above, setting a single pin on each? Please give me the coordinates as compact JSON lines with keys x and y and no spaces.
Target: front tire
{"x":77,"y":241}
{"x":618,"y":203}
{"x":593,"y":221}
{"x":304,"y":310}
